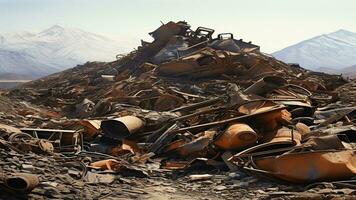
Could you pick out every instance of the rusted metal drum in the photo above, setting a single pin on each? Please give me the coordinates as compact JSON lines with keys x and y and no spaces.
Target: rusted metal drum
{"x":21,"y":182}
{"x":122,"y":127}
{"x":286,"y":134}
{"x":237,"y":136}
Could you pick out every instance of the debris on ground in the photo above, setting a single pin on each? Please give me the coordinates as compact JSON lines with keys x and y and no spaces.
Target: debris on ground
{"x":186,"y":116}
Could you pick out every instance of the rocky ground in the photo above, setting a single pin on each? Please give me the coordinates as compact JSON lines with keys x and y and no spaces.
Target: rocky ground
{"x":54,"y":127}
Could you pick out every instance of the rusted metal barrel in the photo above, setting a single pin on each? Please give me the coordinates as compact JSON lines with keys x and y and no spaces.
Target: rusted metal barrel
{"x":21,"y":182}
{"x":122,"y":127}
{"x":286,"y":134}
{"x":266,"y":85}
{"x":237,"y":136}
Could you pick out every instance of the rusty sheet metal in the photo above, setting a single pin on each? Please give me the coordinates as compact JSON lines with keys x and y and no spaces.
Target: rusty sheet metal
{"x":266,"y":85}
{"x":119,"y":166}
{"x":175,"y":165}
{"x":286,"y":134}
{"x":161,"y":36}
{"x":265,"y":114}
{"x":109,"y":164}
{"x":91,"y":127}
{"x":122,"y":127}
{"x":333,"y":115}
{"x":174,"y":145}
{"x":327,"y":142}
{"x":168,"y":30}
{"x":291,"y":91}
{"x":196,"y":163}
{"x":168,"y":102}
{"x":237,"y":136}
{"x":312,"y":85}
{"x":280,"y":141}
{"x":197,"y":146}
{"x":278,"y":113}
{"x":256,"y":106}
{"x":306,"y":167}
{"x":258,"y":68}
{"x":128,"y":146}
{"x":295,"y":103}
{"x":264,"y":149}
{"x":203,"y":63}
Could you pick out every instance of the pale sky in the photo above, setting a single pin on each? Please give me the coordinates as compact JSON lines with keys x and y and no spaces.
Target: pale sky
{"x":272,"y":24}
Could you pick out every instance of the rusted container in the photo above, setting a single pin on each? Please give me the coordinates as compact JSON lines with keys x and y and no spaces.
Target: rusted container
{"x":21,"y":182}
{"x":286,"y":134}
{"x":122,"y":127}
{"x":237,"y":136}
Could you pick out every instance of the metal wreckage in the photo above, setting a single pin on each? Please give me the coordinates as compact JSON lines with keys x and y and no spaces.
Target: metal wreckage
{"x":194,"y":116}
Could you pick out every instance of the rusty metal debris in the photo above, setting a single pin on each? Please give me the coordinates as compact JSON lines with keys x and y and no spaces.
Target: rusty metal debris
{"x":21,"y":182}
{"x":316,"y":166}
{"x":121,"y":128}
{"x":236,"y":136}
{"x":186,"y":103}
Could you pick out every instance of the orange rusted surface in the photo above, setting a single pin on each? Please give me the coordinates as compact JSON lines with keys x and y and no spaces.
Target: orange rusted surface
{"x":286,"y":134}
{"x":109,"y":164}
{"x":266,"y":114}
{"x":206,"y":62}
{"x":174,"y":145}
{"x":237,"y":136}
{"x":310,"y":166}
{"x":128,"y":146}
{"x":91,"y":127}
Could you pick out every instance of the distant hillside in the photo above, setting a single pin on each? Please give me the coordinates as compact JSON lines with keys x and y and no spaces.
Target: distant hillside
{"x":11,"y":76}
{"x":55,"y":49}
{"x":349,"y":69}
{"x":331,"y":52}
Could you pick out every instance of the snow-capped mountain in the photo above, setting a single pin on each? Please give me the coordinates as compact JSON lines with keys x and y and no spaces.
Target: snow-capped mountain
{"x":56,"y":49}
{"x":21,"y":63}
{"x":330,"y":52}
{"x":349,"y":69}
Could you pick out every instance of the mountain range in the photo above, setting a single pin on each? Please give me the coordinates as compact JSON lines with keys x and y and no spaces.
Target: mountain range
{"x":33,"y":55}
{"x":334,"y":52}
{"x":29,"y":55}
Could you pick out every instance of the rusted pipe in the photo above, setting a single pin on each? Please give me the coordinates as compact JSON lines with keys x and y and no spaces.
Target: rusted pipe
{"x":122,"y":127}
{"x":21,"y":182}
{"x":266,"y":85}
{"x":237,"y":136}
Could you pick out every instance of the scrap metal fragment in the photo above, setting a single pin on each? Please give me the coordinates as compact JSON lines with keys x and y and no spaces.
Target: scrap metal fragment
{"x":121,"y":128}
{"x":21,"y":182}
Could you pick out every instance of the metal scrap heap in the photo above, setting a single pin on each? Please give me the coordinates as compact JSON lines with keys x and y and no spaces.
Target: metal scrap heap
{"x":213,"y":116}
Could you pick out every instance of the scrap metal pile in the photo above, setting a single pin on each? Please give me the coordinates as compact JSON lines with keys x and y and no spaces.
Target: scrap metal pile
{"x":188,"y":102}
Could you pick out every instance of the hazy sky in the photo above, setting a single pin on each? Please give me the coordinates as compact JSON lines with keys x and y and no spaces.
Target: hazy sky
{"x":272,"y":24}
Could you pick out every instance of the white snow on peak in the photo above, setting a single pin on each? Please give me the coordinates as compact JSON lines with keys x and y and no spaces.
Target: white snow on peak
{"x":335,"y":51}
{"x":55,"y":49}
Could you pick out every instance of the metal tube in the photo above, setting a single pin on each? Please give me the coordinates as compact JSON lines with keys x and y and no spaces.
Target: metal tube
{"x":122,"y":127}
{"x":21,"y":182}
{"x":266,"y":85}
